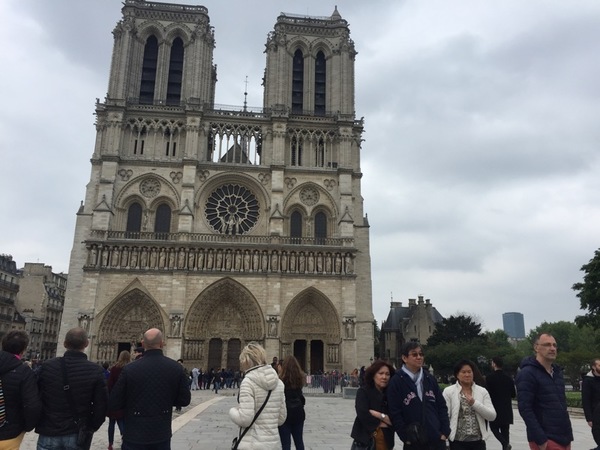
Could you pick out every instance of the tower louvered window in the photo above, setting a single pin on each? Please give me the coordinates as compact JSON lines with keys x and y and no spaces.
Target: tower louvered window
{"x":298,"y":82}
{"x":175,"y":73}
{"x":149,"y":66}
{"x":320,"y":84}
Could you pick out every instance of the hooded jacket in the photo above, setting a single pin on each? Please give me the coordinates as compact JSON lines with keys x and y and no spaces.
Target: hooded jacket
{"x":21,"y":396}
{"x":543,"y":403}
{"x":264,"y":434}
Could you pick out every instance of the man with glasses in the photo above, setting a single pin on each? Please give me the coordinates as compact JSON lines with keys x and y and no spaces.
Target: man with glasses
{"x":416,"y":404}
{"x":542,"y":399}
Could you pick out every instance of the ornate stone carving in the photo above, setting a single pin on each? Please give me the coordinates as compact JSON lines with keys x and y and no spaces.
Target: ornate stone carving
{"x":176,"y":177}
{"x":290,"y":182}
{"x":273,"y":326}
{"x":329,"y":184}
{"x":150,"y":187}
{"x":232,"y":209}
{"x":309,"y":196}
{"x":125,"y":174}
{"x":349,"y":328}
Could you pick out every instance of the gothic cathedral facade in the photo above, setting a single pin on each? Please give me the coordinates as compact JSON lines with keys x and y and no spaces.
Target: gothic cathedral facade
{"x":222,"y":226}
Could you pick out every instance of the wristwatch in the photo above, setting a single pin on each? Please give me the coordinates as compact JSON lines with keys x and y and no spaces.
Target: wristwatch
{"x":382,"y":416}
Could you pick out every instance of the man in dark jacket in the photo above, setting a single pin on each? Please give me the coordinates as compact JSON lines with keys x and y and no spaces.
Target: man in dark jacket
{"x":414,"y":397}
{"x":58,"y":427}
{"x":590,"y":397}
{"x":502,"y":390}
{"x":147,"y":390}
{"x":541,"y":397}
{"x":21,"y":398}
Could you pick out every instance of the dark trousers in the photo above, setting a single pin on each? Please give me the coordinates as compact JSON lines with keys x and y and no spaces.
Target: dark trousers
{"x":501,"y":432}
{"x":165,"y":445}
{"x":596,"y":425}
{"x":467,"y":445}
{"x":439,"y":445}
{"x":289,"y":431}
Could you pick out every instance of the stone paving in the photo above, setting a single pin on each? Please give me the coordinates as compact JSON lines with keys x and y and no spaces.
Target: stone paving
{"x":205,"y":425}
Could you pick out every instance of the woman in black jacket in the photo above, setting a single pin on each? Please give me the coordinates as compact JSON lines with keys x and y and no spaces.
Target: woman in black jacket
{"x":293,"y":379}
{"x":22,"y":403}
{"x":372,"y":420}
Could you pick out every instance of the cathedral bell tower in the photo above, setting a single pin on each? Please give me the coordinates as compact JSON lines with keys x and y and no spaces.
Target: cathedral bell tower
{"x":223,"y":226}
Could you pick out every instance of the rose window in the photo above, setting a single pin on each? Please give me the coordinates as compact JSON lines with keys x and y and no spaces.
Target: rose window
{"x":232,"y":209}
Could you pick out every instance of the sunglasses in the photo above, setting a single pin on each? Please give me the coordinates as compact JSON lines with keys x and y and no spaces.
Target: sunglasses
{"x":416,"y":354}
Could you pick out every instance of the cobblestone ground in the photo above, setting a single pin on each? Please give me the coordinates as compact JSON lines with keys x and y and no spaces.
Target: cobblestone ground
{"x":205,"y":425}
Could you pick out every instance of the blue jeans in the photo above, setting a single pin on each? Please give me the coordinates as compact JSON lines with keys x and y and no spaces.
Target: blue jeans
{"x":165,"y":445}
{"x":288,"y":431}
{"x":111,"y":429}
{"x":68,"y":442}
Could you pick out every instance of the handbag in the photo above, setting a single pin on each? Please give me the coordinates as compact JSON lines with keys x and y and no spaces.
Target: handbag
{"x":416,"y":434}
{"x":85,"y":433}
{"x":236,"y":441}
{"x":360,"y":446}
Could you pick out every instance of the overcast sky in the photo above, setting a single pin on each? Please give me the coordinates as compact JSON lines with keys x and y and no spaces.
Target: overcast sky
{"x":481,"y":163}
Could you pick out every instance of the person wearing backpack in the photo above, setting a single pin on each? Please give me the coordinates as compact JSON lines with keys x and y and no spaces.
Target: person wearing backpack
{"x":18,"y":391}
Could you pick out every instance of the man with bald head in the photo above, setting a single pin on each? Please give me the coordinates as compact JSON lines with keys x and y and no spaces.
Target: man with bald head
{"x":147,"y":390}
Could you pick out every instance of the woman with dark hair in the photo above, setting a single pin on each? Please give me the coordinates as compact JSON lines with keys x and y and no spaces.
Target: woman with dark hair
{"x":469,"y":407}
{"x":372,"y":420}
{"x":293,"y":379}
{"x":116,"y":417}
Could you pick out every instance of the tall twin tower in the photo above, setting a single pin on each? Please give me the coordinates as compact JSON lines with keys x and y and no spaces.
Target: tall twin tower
{"x":220,"y":225}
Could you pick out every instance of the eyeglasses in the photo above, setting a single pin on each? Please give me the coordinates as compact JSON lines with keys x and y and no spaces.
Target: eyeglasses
{"x":416,"y":354}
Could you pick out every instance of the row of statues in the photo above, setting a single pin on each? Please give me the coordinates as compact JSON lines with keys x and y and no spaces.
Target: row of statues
{"x":201,"y":259}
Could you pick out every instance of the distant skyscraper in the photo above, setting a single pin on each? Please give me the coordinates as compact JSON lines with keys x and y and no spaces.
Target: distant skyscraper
{"x":514,"y":324}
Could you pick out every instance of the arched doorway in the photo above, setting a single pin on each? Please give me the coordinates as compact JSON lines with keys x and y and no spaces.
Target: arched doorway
{"x":310,"y":330}
{"x":219,"y":323}
{"x":125,"y":322}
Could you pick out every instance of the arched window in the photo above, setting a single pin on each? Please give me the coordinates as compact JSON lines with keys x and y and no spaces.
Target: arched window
{"x":298,"y":82}
{"x":134,"y":220}
{"x":175,"y":73}
{"x":162,"y":221}
{"x":320,"y":80}
{"x":149,"y":71}
{"x":296,"y":152}
{"x":320,"y":228}
{"x":296,"y":227}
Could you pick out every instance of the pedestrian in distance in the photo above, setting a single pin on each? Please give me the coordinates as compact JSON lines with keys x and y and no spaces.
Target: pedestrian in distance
{"x":260,"y":388}
{"x":469,"y":408}
{"x":116,"y":417}
{"x":22,"y":404}
{"x":502,"y":390}
{"x":147,"y":390}
{"x":372,"y":421}
{"x":542,"y":399}
{"x":293,"y":379}
{"x":590,"y":397}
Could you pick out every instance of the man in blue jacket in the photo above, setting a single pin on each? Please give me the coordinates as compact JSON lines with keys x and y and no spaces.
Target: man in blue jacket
{"x":542,"y":399}
{"x":415,"y":400}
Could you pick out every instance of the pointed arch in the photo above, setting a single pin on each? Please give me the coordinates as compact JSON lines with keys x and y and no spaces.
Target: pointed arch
{"x":149,"y":69}
{"x":225,"y":310}
{"x":311,"y":315}
{"x":125,"y":320}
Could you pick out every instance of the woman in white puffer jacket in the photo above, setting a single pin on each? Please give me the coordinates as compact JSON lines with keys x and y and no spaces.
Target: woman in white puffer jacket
{"x":259,"y":379}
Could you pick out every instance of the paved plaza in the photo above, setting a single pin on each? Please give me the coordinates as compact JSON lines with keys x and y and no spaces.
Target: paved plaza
{"x":205,"y":425}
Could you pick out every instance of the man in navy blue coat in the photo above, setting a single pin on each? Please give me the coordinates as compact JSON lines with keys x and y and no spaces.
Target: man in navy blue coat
{"x":147,"y":390}
{"x":542,"y":399}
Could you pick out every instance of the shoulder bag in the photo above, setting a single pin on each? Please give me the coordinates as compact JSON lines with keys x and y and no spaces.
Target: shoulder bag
{"x":85,"y":433}
{"x":236,"y":441}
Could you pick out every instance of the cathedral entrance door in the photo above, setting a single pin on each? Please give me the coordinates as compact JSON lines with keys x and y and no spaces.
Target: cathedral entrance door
{"x":300,"y":352}
{"x":121,"y":346}
{"x":316,"y":356}
{"x":215,"y":352}
{"x":234,"y":348}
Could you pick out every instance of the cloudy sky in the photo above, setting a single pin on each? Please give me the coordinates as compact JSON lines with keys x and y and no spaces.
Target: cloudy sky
{"x":480,"y":158}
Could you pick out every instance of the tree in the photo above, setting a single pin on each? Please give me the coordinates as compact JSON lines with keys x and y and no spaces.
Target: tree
{"x":588,"y":292}
{"x":376,"y":342}
{"x":460,"y":328}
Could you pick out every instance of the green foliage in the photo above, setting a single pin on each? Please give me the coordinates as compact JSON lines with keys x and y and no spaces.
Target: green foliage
{"x":588,"y":292}
{"x":455,"y":329}
{"x":376,"y":344}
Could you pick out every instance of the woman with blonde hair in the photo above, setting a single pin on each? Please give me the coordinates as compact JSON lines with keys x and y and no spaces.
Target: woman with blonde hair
{"x":116,"y":417}
{"x":261,"y":402}
{"x":293,"y":378}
